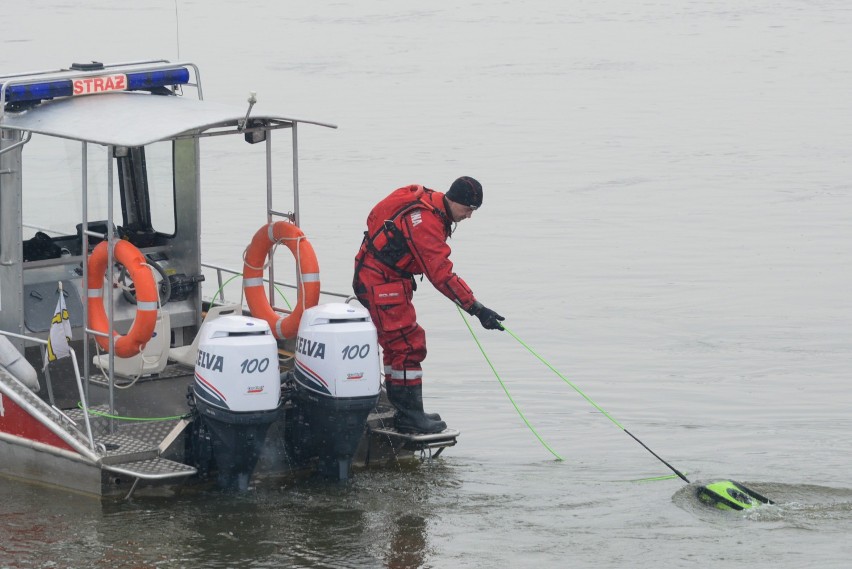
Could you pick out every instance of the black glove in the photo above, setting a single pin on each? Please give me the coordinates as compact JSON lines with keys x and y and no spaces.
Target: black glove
{"x":489,"y":319}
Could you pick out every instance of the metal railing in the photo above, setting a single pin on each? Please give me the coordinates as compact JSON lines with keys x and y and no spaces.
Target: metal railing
{"x":49,"y":384}
{"x":220,"y":292}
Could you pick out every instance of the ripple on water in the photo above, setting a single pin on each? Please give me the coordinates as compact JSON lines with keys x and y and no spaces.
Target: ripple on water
{"x":801,"y":506}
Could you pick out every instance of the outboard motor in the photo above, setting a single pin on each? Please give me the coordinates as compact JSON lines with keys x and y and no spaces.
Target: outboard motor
{"x":237,"y":391}
{"x":337,"y":385}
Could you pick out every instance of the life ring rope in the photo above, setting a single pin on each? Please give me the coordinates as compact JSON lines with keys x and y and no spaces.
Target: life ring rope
{"x":274,"y":246}
{"x":256,"y":258}
{"x":148,"y":298}
{"x":258,"y":281}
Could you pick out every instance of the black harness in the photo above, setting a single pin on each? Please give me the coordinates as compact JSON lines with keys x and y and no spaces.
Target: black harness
{"x":396,"y":244}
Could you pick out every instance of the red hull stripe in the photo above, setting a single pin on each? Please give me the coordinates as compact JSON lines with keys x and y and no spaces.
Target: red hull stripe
{"x":16,"y":421}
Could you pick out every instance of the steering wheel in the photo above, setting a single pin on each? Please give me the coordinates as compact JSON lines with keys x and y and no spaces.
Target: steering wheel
{"x":129,"y":291}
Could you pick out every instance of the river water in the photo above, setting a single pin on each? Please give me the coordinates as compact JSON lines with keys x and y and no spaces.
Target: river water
{"x":666,"y":222}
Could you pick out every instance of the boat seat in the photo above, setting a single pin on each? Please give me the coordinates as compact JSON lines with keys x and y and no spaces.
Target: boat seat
{"x":153,"y":358}
{"x":187,"y":355}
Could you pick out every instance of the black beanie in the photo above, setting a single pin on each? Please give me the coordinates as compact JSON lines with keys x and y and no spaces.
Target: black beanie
{"x":466,"y":191}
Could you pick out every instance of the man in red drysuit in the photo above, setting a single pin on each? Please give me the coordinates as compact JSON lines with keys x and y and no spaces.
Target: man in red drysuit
{"x":407,"y":235}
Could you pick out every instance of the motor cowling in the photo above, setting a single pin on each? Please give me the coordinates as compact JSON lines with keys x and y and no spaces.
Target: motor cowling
{"x":237,"y":365}
{"x":337,"y":352}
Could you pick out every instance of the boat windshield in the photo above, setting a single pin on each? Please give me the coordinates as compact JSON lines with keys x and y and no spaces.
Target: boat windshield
{"x":143,"y":181}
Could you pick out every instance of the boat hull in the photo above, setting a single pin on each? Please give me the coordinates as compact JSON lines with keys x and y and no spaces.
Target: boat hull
{"x":36,"y":462}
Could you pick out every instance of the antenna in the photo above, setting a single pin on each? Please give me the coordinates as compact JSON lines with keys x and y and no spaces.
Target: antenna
{"x":251,"y":101}
{"x":177,"y":30}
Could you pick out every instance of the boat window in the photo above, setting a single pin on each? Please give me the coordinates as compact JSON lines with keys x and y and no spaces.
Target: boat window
{"x":143,"y":182}
{"x":52,"y":186}
{"x":161,"y":186}
{"x":146,"y":178}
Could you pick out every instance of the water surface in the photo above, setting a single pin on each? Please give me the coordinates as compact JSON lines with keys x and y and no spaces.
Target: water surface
{"x":666,"y":221}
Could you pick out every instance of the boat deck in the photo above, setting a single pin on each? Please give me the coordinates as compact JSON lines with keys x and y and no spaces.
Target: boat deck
{"x":132,"y":449}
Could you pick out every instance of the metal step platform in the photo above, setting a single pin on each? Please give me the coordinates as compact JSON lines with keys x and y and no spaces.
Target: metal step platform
{"x":134,"y":448}
{"x":151,"y":469}
{"x":430,"y":445}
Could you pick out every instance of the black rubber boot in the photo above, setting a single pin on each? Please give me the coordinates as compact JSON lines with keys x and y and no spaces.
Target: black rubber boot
{"x":410,"y":418}
{"x":433,"y":416}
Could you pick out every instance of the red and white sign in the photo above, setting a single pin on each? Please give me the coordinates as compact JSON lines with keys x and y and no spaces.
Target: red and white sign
{"x":103,"y":84}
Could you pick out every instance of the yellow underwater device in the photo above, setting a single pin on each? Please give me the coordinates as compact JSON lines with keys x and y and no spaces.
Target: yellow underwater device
{"x":724,"y":494}
{"x":730,"y":495}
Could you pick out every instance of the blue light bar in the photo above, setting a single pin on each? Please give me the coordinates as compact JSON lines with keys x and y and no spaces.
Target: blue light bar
{"x":149,"y":80}
{"x":38,"y":91}
{"x":88,"y":85}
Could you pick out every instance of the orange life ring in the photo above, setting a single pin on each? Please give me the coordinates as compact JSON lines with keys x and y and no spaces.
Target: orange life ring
{"x":254,"y":263}
{"x":147,"y":298}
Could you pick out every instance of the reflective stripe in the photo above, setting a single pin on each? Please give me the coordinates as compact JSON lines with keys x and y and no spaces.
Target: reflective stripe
{"x":406,"y":374}
{"x":95,"y":292}
{"x":255,"y":258}
{"x":146,"y":306}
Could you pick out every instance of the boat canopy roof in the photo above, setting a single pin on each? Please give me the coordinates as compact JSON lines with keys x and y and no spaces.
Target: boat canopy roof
{"x":135,"y":119}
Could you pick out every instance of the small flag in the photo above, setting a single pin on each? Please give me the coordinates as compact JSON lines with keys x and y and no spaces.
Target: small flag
{"x":60,"y":331}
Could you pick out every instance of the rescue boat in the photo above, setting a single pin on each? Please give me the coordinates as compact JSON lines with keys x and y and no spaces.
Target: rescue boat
{"x":125,"y":361}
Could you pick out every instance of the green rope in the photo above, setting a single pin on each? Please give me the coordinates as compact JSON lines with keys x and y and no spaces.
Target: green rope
{"x":655,"y":478}
{"x":599,"y":408}
{"x":574,"y":387}
{"x":505,"y":389}
{"x":119,"y":417}
{"x":224,"y":284}
{"x":287,"y":302}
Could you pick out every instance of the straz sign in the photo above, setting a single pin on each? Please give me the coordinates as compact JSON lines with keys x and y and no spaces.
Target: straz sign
{"x":103,"y":84}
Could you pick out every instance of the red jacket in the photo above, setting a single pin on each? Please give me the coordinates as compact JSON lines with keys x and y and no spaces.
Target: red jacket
{"x":407,"y":235}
